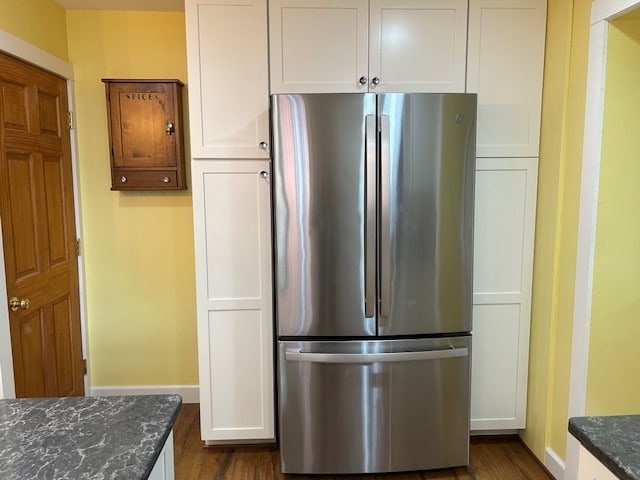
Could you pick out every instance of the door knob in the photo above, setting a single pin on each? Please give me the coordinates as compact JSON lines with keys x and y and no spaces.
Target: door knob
{"x":15,"y":303}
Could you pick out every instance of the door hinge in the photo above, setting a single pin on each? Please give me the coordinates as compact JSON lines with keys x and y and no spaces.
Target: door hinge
{"x":84,"y":366}
{"x":70,"y":120}
{"x":77,"y":247}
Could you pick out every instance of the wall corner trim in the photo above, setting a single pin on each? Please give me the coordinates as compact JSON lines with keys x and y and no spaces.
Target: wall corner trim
{"x":189,"y":393}
{"x":554,"y":464}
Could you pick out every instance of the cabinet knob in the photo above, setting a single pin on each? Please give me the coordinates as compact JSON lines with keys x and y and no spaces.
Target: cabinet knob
{"x":375,"y":81}
{"x":165,"y":179}
{"x":169,"y":128}
{"x":263,"y":145}
{"x":363,"y":80}
{"x":264,"y":174}
{"x":123,"y":179}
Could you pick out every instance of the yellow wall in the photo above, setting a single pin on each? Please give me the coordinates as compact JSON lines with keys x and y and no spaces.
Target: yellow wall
{"x":556,"y":225}
{"x":614,"y":353}
{"x":138,"y":247}
{"x":42,"y":23}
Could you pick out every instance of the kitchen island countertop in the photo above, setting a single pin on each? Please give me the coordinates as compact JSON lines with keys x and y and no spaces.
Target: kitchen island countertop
{"x":614,"y":440}
{"x":95,"y":438}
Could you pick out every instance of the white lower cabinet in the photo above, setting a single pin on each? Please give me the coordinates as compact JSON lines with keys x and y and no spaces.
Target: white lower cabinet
{"x":503,"y":263}
{"x":590,"y":468}
{"x":163,"y":469}
{"x":232,"y":224}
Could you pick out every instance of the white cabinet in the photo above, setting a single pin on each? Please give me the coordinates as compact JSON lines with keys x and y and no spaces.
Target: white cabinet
{"x":229,"y":125}
{"x":367,"y":45}
{"x":503,"y":263}
{"x":590,"y":468}
{"x":505,"y":67}
{"x":164,"y":469}
{"x":228,"y":78}
{"x":232,"y":221}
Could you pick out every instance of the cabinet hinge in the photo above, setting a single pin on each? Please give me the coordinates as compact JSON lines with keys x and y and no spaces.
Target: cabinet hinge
{"x":70,"y":120}
{"x":84,"y":366}
{"x":77,"y":247}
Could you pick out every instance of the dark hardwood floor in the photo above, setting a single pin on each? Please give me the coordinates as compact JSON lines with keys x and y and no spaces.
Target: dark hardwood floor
{"x":492,"y":458}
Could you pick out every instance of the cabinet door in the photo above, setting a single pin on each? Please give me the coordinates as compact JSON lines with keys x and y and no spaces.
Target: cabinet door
{"x":590,"y":468}
{"x":232,"y":220}
{"x":318,"y":45}
{"x":505,"y":67}
{"x":503,"y":264}
{"x":228,"y":80}
{"x":417,"y":45}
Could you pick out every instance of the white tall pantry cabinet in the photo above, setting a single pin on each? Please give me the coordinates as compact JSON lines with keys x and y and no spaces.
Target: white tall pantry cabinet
{"x":230,"y":171}
{"x":355,"y":46}
{"x":505,"y":62}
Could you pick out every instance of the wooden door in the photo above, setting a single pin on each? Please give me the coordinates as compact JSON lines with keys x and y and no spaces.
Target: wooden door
{"x":38,"y":228}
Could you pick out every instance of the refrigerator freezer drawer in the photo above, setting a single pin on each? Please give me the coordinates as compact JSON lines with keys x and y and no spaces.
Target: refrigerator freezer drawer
{"x":374,"y":405}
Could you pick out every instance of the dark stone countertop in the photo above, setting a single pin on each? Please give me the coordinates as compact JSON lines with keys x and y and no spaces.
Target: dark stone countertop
{"x":95,"y":438}
{"x":614,"y":440}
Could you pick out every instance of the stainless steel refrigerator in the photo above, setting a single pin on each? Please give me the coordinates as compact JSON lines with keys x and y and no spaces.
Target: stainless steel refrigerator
{"x":373,"y":203}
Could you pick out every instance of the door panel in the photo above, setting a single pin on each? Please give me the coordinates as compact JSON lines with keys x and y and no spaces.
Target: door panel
{"x":318,"y":46}
{"x":405,"y":409}
{"x":320,"y":197}
{"x":418,"y":45}
{"x":235,"y":300}
{"x":38,"y":227}
{"x":426,"y":212}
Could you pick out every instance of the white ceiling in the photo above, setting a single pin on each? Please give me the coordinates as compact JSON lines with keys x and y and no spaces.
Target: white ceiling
{"x":143,"y":5}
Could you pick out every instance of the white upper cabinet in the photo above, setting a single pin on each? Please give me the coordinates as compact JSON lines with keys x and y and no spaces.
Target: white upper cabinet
{"x":318,"y":45}
{"x":367,"y":45}
{"x":505,"y":68}
{"x":417,"y":45}
{"x":228,"y":78}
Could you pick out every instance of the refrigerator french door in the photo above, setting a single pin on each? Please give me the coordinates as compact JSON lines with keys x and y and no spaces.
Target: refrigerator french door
{"x":373,"y":203}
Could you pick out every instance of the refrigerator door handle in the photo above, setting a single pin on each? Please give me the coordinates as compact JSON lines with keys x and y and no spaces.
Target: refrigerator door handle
{"x":295,"y":355}
{"x":385,"y":217}
{"x":370,"y":216}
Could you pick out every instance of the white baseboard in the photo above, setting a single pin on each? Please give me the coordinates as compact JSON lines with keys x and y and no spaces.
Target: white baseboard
{"x":189,"y":393}
{"x":554,"y":464}
{"x":480,"y":433}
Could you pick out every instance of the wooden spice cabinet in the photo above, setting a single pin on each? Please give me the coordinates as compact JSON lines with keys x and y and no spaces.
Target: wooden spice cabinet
{"x":145,"y":134}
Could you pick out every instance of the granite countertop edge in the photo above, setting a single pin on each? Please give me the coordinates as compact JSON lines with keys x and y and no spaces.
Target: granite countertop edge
{"x":97,"y":438}
{"x":613,"y":440}
{"x":164,"y":436}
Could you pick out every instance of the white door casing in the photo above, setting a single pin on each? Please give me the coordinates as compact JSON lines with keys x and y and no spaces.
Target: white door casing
{"x":602,"y":11}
